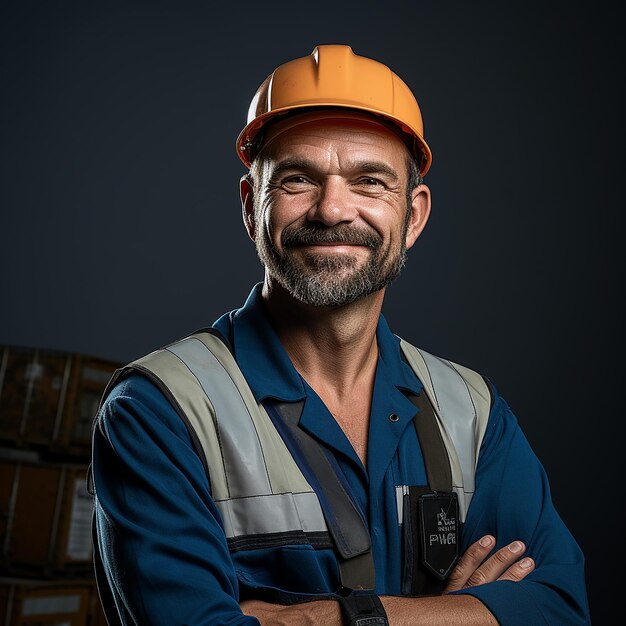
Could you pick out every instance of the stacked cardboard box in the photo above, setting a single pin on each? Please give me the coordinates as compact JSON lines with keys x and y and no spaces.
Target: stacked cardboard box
{"x":48,"y":400}
{"x":25,"y":602}
{"x":46,"y":517}
{"x":50,"y":397}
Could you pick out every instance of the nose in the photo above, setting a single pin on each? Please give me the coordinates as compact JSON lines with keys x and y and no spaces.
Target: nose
{"x":334,"y":204}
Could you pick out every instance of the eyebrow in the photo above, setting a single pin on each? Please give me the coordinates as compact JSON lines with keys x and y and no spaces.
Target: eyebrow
{"x":365,"y":167}
{"x":376,"y":167}
{"x":292,"y":164}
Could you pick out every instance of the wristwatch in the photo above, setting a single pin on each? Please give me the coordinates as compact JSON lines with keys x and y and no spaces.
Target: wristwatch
{"x":362,"y":609}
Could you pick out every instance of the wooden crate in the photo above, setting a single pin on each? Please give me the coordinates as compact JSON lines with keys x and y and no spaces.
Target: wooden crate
{"x":91,"y":376}
{"x":33,"y":388}
{"x":26,"y":602}
{"x":45,"y":517}
{"x":50,"y":397}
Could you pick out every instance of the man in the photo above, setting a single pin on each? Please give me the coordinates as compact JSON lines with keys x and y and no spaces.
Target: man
{"x":299,"y":463}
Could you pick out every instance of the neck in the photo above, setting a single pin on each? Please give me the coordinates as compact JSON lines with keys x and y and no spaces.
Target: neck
{"x":333,"y":348}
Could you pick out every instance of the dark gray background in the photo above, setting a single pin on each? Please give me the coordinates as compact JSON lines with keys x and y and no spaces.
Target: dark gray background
{"x":120,"y":222}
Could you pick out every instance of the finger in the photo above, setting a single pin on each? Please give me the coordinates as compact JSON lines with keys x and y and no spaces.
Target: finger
{"x":496,"y":564}
{"x":469,"y":562}
{"x":520,"y":569}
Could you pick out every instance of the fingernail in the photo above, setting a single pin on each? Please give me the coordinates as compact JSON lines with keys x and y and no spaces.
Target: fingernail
{"x":526,"y":563}
{"x":486,"y":541}
{"x":516,"y":546}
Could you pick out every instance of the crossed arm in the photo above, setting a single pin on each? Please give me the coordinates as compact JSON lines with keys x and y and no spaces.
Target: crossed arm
{"x":474,"y":568}
{"x":150,"y":484}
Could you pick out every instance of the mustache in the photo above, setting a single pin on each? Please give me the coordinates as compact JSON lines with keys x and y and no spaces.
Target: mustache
{"x":342,"y":233}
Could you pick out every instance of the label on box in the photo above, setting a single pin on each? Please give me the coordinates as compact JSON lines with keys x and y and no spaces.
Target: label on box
{"x":34,"y":371}
{"x":51,"y":605}
{"x":79,"y":544}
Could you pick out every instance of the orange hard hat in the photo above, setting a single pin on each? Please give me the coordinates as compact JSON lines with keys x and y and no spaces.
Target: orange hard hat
{"x":333,"y":76}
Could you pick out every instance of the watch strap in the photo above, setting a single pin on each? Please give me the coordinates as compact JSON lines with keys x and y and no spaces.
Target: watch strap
{"x":362,"y":609}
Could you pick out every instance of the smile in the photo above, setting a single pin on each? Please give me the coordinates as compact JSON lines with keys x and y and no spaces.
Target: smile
{"x":334,"y":246}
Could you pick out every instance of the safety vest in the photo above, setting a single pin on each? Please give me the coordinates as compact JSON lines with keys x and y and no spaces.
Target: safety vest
{"x":262,"y":494}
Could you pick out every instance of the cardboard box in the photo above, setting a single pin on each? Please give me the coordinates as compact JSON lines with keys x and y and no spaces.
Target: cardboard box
{"x":25,"y":602}
{"x":91,"y":376}
{"x":45,"y":517}
{"x":50,"y":397}
{"x":33,"y":387}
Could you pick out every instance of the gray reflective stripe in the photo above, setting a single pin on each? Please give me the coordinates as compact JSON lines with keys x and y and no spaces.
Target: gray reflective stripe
{"x":239,"y":442}
{"x":274,"y":513}
{"x":456,"y":406}
{"x":246,"y":456}
{"x":481,"y":399}
{"x":464,"y":499}
{"x":456,"y":393}
{"x":285,"y":475}
{"x":174,"y":377}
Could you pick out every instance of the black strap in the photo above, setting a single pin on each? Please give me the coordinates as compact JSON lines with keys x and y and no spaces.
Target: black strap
{"x":358,"y":609}
{"x":416,"y":580}
{"x":434,"y":450}
{"x":345,"y":524}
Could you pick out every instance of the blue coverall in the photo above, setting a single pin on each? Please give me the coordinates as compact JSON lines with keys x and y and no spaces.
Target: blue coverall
{"x":160,"y":533}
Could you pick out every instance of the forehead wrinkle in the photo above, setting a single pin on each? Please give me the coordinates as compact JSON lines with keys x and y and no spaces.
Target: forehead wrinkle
{"x":336,"y":139}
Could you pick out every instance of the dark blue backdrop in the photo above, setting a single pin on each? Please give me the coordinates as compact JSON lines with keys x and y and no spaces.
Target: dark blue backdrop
{"x":120,"y":223}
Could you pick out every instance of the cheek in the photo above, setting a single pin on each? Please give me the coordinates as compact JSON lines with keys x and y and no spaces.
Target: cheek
{"x":274,"y":225}
{"x":388,"y":222}
{"x":282,"y":213}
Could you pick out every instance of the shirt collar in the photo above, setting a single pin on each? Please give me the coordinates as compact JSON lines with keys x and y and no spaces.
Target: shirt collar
{"x":261,"y":357}
{"x":399,"y":372}
{"x":269,"y":370}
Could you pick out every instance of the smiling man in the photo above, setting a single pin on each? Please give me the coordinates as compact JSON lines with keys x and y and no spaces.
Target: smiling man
{"x":339,"y":181}
{"x":298,"y":463}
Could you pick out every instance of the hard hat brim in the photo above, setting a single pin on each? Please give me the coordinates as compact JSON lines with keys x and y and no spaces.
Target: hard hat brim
{"x":249,"y":140}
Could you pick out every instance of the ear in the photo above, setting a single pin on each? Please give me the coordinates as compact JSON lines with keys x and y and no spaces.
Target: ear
{"x":420,"y":212}
{"x":247,"y":205}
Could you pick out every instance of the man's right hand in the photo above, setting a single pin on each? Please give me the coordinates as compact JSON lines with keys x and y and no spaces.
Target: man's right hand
{"x":505,"y":564}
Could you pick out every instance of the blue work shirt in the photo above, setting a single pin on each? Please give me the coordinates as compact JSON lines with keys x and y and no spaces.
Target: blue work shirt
{"x":161,"y":536}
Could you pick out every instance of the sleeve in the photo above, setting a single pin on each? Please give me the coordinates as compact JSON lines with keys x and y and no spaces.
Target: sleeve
{"x":510,"y":475}
{"x":163,"y":548}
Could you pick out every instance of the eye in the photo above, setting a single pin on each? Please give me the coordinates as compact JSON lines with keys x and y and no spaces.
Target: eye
{"x":370,"y":181}
{"x":296,"y":182}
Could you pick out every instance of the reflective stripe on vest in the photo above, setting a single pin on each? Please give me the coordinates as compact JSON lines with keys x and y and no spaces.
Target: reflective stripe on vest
{"x":462,"y":402}
{"x":255,"y":482}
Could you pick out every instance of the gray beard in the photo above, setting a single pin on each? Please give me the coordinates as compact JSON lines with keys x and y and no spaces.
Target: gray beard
{"x":325,"y":280}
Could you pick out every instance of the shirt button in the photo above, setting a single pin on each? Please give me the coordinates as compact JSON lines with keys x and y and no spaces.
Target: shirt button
{"x":393,"y":417}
